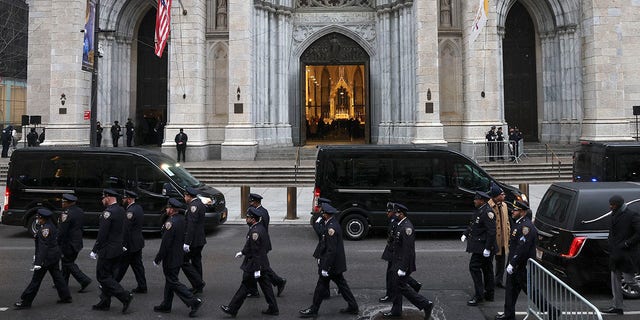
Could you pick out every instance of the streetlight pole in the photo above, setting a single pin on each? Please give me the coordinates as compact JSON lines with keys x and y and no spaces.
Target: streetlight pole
{"x":94,"y":78}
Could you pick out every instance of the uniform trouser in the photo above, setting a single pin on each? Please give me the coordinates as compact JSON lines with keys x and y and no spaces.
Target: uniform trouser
{"x":98,"y":140}
{"x":172,"y":285}
{"x":516,"y":282}
{"x":115,"y":140}
{"x":129,"y":140}
{"x":249,"y":281}
{"x":133,"y":259}
{"x":182,"y":150}
{"x":415,"y":285}
{"x":323,"y":286}
{"x":616,"y":286}
{"x":275,"y":280}
{"x":402,"y":288}
{"x":500,"y":264}
{"x":110,"y":287}
{"x":69,"y":267}
{"x":192,"y":267}
{"x":32,"y":289}
{"x":481,"y":270}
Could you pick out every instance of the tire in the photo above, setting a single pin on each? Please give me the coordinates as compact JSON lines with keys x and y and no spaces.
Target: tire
{"x":629,"y":292}
{"x":355,"y":227}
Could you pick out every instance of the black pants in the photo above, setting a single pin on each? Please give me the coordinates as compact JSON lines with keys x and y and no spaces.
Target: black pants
{"x":69,"y":267}
{"x":481,"y":270}
{"x":105,"y":270}
{"x":129,"y":140}
{"x":115,"y":140}
{"x":98,"y":140}
{"x":249,"y":281}
{"x":5,"y":150}
{"x":402,"y":288}
{"x":323,"y":286}
{"x":172,"y":285}
{"x":415,"y":285}
{"x":133,"y":259}
{"x":492,"y":150}
{"x":516,"y":282}
{"x":192,"y":267}
{"x":500,"y":265}
{"x":32,"y":289}
{"x":182,"y":148}
{"x":275,"y":280}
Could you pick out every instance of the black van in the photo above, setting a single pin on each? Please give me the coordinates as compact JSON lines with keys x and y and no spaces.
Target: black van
{"x":436,"y":184}
{"x":606,"y":161}
{"x":38,"y":177}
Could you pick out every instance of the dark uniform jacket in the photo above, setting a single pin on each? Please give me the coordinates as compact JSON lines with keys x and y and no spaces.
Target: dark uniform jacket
{"x":70,"y":233}
{"x":481,"y":233}
{"x":522,"y":243}
{"x":403,"y":247}
{"x":255,"y":249}
{"x":181,"y":137}
{"x":32,"y":138}
{"x":115,"y":130}
{"x":133,"y":239}
{"x":264,"y":220}
{"x":195,"y":224}
{"x":47,"y":250}
{"x":170,"y":253}
{"x":319,"y":228}
{"x":331,"y":249}
{"x":129,"y":128}
{"x":387,"y":254}
{"x":624,"y":240}
{"x":110,"y":233}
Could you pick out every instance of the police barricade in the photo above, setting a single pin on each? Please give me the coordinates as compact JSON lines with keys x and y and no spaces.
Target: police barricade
{"x":489,"y":151}
{"x":548,"y":298}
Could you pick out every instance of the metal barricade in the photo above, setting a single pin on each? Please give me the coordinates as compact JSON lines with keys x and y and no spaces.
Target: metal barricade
{"x":550,"y":298}
{"x":488,"y":151}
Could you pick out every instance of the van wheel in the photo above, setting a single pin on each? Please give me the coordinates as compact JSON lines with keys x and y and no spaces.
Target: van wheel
{"x":32,"y":225}
{"x":630,"y":292}
{"x":355,"y":227}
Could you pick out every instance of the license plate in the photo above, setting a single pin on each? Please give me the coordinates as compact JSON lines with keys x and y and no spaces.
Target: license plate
{"x":538,"y":254}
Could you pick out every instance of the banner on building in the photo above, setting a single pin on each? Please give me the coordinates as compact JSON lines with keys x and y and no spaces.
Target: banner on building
{"x":88,"y":56}
{"x":163,"y":22}
{"x":479,"y":21}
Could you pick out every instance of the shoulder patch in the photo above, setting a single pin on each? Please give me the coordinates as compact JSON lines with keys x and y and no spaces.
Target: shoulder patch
{"x":63,"y":217}
{"x":491,"y":215}
{"x":167,"y":225}
{"x":525,"y":230}
{"x":106,"y":214}
{"x":129,"y":215}
{"x":193,"y":208}
{"x":255,"y":236}
{"x":45,"y":232}
{"x":408,"y":231}
{"x":331,"y":231}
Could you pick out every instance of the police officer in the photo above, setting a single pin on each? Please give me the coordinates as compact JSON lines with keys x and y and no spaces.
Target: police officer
{"x":133,"y":242}
{"x":403,"y":264}
{"x":129,"y":129}
{"x":319,"y":227}
{"x":501,"y":212}
{"x":70,"y":240}
{"x":115,"y":133}
{"x":108,"y":250}
{"x":181,"y":144}
{"x":194,"y":240}
{"x":481,"y":242}
{"x":46,"y":258}
{"x":491,"y":138}
{"x":332,"y":264}
{"x":171,"y":255}
{"x":32,"y":138}
{"x":254,"y":266}
{"x":98,"y":134}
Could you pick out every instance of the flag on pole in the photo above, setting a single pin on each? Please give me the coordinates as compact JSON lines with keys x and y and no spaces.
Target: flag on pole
{"x":480,"y":20}
{"x":163,"y":20}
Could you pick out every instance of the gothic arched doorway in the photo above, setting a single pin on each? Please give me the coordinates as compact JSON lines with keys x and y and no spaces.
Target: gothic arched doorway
{"x":334,"y":73}
{"x":519,"y":61}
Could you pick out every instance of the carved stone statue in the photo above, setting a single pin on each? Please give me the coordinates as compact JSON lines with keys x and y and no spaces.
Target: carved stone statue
{"x":445,"y":13}
{"x":221,"y":15}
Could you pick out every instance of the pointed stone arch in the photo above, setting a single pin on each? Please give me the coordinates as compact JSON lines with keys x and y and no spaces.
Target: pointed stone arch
{"x":451,"y":86}
{"x":217,"y":93}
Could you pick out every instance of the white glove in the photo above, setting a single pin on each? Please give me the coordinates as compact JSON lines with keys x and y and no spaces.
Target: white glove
{"x":324,"y":273}
{"x":463,"y":238}
{"x":486,"y":253}
{"x":319,"y":219}
{"x":93,"y":255}
{"x":185,"y":247}
{"x":510,"y":269}
{"x":36,"y":268}
{"x":155,"y":264}
{"x":401,"y":273}
{"x":124,"y":249}
{"x":256,"y":274}
{"x":318,"y":261}
{"x":34,"y":259}
{"x":239,"y":254}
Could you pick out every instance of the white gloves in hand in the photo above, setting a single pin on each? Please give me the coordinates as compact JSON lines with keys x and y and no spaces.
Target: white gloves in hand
{"x":36,"y":268}
{"x":510,"y":269}
{"x":239,"y":254}
{"x":256,"y":274}
{"x":124,"y":249}
{"x":324,"y":273}
{"x":185,"y":247}
{"x":155,"y":264}
{"x":34,"y":259}
{"x":401,"y":273}
{"x":486,"y":253}
{"x":463,"y":238}
{"x":319,"y":219}
{"x":93,"y":255}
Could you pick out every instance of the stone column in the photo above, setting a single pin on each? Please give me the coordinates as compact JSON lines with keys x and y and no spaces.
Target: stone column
{"x":39,"y":60}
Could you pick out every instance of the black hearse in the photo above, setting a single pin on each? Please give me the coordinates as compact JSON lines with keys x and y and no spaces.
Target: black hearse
{"x":606,"y":161}
{"x":437,"y":184}
{"x":38,"y":177}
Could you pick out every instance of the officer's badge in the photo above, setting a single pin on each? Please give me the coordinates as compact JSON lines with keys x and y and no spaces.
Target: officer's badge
{"x":525,"y":230}
{"x":167,"y":225}
{"x":255,"y":236}
{"x":409,"y":231}
{"x":514,"y":232}
{"x":129,"y":215}
{"x":63,"y":217}
{"x":106,"y":214}
{"x":477,"y":219}
{"x":491,"y":215}
{"x":45,"y":232}
{"x":193,"y":209}
{"x":331,"y":231}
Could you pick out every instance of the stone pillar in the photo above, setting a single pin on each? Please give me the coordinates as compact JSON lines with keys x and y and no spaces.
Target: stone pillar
{"x":39,"y":60}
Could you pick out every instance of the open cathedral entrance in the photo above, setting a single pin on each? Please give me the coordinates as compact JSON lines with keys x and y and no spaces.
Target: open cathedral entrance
{"x":335,"y":93}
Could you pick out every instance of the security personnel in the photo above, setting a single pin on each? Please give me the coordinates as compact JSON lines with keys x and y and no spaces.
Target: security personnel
{"x":181,"y":144}
{"x":319,"y":227}
{"x":133,"y":242}
{"x":46,"y":258}
{"x":501,"y":212}
{"x":491,"y":138}
{"x":481,"y":243}
{"x":129,"y":129}
{"x":404,"y":263}
{"x":255,"y":201}
{"x":32,"y":138}
{"x":194,"y":240}
{"x":108,"y":250}
{"x":115,"y":133}
{"x":254,"y":267}
{"x":70,"y":223}
{"x":332,"y":263}
{"x":171,"y":255}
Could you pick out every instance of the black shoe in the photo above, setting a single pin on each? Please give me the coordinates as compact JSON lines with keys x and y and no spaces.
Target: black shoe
{"x":194,"y":308}
{"x":139,"y":290}
{"x":502,"y":316}
{"x":613,"y":310}
{"x":228,"y":311}
{"x":385,"y":299}
{"x":127,"y":303}
{"x":474,"y":301}
{"x":161,"y":309}
{"x":84,"y":286}
{"x":350,"y":310}
{"x":417,"y":287}
{"x":281,"y":286}
{"x":427,"y":310}
{"x":65,"y":300}
{"x":308,"y":313}
{"x":21,"y":305}
{"x":100,"y":307}
{"x":499,"y":285}
{"x":389,"y":315}
{"x":271,"y":312}
{"x":253,"y":295}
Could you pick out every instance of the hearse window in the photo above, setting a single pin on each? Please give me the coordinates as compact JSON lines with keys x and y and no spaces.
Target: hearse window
{"x":554,"y":206}
{"x":27,"y":172}
{"x":372,"y":173}
{"x":421,"y":173}
{"x":469,"y":177}
{"x":58,"y":171}
{"x":627,"y":167}
{"x":115,"y":172}
{"x":340,"y":172}
{"x":150,"y":179}
{"x":89,"y":173}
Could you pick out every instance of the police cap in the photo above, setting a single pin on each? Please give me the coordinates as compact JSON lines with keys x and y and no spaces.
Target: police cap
{"x":328,"y":209}
{"x":109,"y":193}
{"x":519,"y":205}
{"x":43,"y":212}
{"x":481,"y":195}
{"x":323,"y":200}
{"x":253,"y":213}
{"x":391,"y":206}
{"x":69,"y":197}
{"x":192,"y":191}
{"x":401,"y":208}
{"x":130,"y":194}
{"x":255,"y":197}
{"x":175,"y":203}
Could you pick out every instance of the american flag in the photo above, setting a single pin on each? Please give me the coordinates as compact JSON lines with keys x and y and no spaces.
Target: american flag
{"x":163,"y":20}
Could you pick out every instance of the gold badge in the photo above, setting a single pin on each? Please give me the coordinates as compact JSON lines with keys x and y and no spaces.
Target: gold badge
{"x":255,"y":236}
{"x":331,"y":232}
{"x":106,"y":214}
{"x":525,"y":230}
{"x":45,"y":232}
{"x":491,"y":215}
{"x":409,"y":231}
{"x":193,"y":209}
{"x":63,"y":217}
{"x":167,"y":225}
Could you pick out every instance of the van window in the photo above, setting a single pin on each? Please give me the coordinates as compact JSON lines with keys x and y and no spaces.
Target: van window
{"x":150,"y":179}
{"x":368,"y":173}
{"x":27,"y":172}
{"x":554,"y":206}
{"x":627,"y":167}
{"x":469,"y":177}
{"x":589,"y":165}
{"x":89,"y":173}
{"x":115,"y":172}
{"x":421,"y":173}
{"x":59,"y":171}
{"x":181,"y":176}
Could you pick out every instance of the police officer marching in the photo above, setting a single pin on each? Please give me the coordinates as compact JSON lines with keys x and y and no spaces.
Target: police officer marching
{"x":194,"y":240}
{"x":46,"y":258}
{"x":254,"y":266}
{"x":171,"y":255}
{"x":481,"y":242}
{"x":70,"y":240}
{"x":108,"y":250}
{"x":133,"y":242}
{"x":319,"y":228}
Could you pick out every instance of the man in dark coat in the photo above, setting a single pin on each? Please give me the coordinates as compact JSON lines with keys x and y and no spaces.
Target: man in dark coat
{"x":403,"y":264}
{"x":171,"y":255}
{"x":194,"y":239}
{"x":491,"y":143}
{"x":254,"y":267}
{"x":32,"y":138}
{"x":108,"y":250}
{"x":332,"y":263}
{"x":129,"y":129}
{"x":46,"y":258}
{"x":481,"y":243}
{"x":181,"y":144}
{"x":115,"y":133}
{"x":624,"y":243}
{"x":70,"y":240}
{"x":133,"y":242}
{"x":7,"y":138}
{"x":98,"y":134}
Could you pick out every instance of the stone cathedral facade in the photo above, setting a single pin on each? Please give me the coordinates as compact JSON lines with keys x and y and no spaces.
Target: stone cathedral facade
{"x":241,"y":75}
